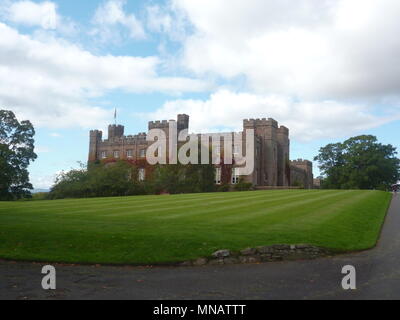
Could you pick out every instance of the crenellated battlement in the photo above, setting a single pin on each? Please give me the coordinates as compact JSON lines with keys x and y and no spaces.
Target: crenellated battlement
{"x":260,"y":122}
{"x":115,"y":131}
{"x":301,"y":162}
{"x":139,"y":138}
{"x":283,"y":130}
{"x":302,"y":172}
{"x":164,"y":124}
{"x":97,"y":134}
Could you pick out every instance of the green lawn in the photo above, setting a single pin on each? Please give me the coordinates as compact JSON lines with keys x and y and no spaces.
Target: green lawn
{"x":154,"y":229}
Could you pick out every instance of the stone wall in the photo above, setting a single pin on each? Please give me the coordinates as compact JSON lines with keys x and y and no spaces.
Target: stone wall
{"x":262,"y":254}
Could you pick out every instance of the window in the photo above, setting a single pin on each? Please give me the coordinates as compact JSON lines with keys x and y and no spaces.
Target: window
{"x":235,"y":176}
{"x":218,"y":174}
{"x":116,"y":154}
{"x":235,"y":150}
{"x":142,"y":153}
{"x":142,"y":174}
{"x":104,"y":154}
{"x":129,"y":153}
{"x":218,"y":150}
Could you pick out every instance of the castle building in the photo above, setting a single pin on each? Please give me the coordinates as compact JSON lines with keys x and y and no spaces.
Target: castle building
{"x":272,"y":165}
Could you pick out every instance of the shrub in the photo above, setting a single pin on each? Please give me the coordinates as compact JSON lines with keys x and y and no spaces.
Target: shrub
{"x":98,"y":180}
{"x":297,"y":183}
{"x":224,"y":188}
{"x":243,"y":186}
{"x":120,"y":178}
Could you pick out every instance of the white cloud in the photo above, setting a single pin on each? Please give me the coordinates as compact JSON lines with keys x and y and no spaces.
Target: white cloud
{"x":110,"y":17}
{"x":225,"y":111}
{"x":158,"y":20}
{"x":51,"y":81}
{"x":42,"y":181}
{"x":327,"y":49}
{"x":168,"y":20}
{"x":43,"y":14}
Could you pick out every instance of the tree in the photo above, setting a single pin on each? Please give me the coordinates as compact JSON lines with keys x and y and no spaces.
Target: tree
{"x":16,"y":153}
{"x":121,"y":178}
{"x":359,"y":163}
{"x":98,"y":180}
{"x":186,"y":178}
{"x":189,"y":178}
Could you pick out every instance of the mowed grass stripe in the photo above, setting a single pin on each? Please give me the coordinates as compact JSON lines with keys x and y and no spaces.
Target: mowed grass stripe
{"x":135,"y":206}
{"x":286,"y":207}
{"x":240,"y":206}
{"x":207,"y":206}
{"x":160,"y":213}
{"x":298,"y":211}
{"x":90,"y":215}
{"x":325,"y":213}
{"x":155,"y":229}
{"x":132,"y":201}
{"x":91,"y":202}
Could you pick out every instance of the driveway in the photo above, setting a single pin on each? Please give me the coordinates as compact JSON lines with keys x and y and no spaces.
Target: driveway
{"x":378,"y":277}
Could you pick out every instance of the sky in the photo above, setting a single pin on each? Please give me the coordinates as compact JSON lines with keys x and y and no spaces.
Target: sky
{"x":327,"y":69}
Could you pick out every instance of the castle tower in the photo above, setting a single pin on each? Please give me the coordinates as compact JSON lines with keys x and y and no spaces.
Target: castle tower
{"x":283,"y":156}
{"x":94,"y":140}
{"x":267,"y":131}
{"x":258,"y":168}
{"x":164,"y":126}
{"x":115,"y":131}
{"x":307,"y":167}
{"x":183,"y":122}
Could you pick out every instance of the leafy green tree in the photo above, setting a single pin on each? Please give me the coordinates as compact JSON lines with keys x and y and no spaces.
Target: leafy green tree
{"x":121,"y":179}
{"x":170,"y":178}
{"x":16,"y":153}
{"x":359,"y":163}
{"x":188,"y":178}
{"x":71,"y":184}
{"x":98,"y":180}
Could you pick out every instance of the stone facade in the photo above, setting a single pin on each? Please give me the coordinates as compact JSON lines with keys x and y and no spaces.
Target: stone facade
{"x":271,"y":157}
{"x":301,"y":173}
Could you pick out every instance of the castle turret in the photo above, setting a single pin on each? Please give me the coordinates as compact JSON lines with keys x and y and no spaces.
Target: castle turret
{"x":115,"y":131}
{"x":266,"y":129}
{"x":183,"y":122}
{"x":307,"y":167}
{"x":283,"y":156}
{"x":95,"y":138}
